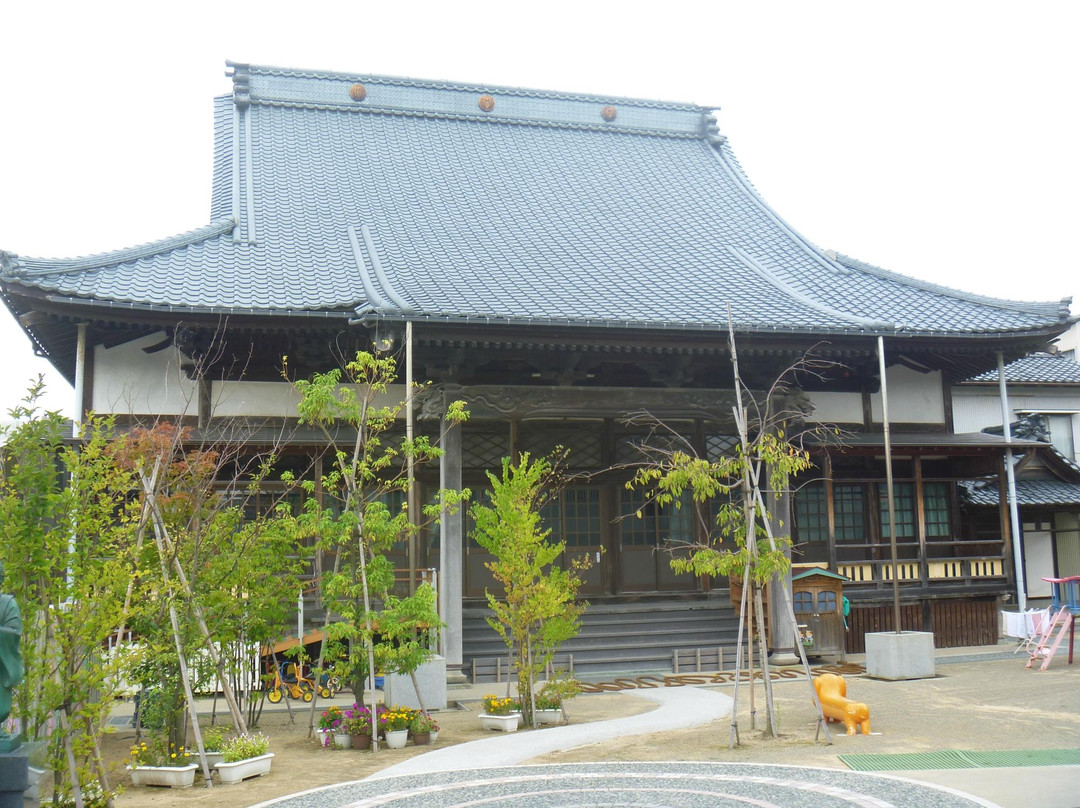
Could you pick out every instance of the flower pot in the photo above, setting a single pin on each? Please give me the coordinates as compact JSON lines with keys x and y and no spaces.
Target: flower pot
{"x":342,"y":741}
{"x":503,"y":723}
{"x":396,"y":738}
{"x":167,"y":776}
{"x":33,"y":778}
{"x":421,"y":738}
{"x":213,"y":758}
{"x":549,"y":716}
{"x":361,"y":741}
{"x":434,"y":735}
{"x":232,"y":773}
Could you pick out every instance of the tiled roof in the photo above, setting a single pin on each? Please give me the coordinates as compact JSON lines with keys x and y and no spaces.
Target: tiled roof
{"x":1039,"y":368}
{"x":1050,"y":493}
{"x":416,"y":202}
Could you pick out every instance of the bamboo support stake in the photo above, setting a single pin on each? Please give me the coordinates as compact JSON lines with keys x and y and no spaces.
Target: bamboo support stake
{"x":161,"y":535}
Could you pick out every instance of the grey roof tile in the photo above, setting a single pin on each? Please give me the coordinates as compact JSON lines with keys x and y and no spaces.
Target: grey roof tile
{"x":1039,"y":368}
{"x":1048,"y":493}
{"x":537,"y":211}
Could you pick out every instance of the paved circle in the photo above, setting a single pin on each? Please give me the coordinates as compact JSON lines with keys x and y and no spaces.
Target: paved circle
{"x":634,"y":785}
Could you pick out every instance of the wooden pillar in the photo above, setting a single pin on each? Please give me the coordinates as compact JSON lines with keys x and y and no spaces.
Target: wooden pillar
{"x":783,"y":630}
{"x":920,"y":519}
{"x":830,"y":505}
{"x":451,"y":555}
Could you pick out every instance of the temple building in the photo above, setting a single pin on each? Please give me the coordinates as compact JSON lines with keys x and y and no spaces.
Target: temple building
{"x":560,"y":260}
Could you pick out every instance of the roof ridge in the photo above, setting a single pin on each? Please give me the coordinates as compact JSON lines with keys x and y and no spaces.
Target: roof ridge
{"x":449,"y":116}
{"x":1061,"y":307}
{"x":752,"y":263}
{"x":442,"y":84}
{"x":39,"y":267}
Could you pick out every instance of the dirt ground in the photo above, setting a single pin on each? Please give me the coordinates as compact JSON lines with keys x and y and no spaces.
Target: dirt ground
{"x":977,"y":705}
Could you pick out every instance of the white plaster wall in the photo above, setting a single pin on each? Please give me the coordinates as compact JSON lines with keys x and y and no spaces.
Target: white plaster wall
{"x":836,"y":408}
{"x":1068,"y":544}
{"x":129,"y":381}
{"x":273,"y":399}
{"x":914,"y":398}
{"x":974,"y":410}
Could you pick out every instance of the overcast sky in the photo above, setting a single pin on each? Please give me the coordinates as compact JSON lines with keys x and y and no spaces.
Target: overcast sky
{"x":937,"y":139}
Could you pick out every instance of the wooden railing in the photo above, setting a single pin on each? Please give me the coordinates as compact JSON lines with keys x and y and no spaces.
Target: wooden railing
{"x":927,"y":572}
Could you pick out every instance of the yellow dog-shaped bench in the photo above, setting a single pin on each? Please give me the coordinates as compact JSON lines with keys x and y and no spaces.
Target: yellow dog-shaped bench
{"x":831,"y":691}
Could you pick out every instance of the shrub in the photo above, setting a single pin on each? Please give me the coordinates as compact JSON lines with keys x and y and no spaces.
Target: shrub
{"x":493,"y":705}
{"x":243,"y":747}
{"x":214,"y":737}
{"x":554,"y":692}
{"x":331,"y":718}
{"x":422,"y":722}
{"x":159,"y":753}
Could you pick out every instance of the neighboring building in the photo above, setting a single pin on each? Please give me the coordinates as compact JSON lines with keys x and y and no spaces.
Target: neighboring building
{"x":564,"y":259}
{"x":1044,"y":404}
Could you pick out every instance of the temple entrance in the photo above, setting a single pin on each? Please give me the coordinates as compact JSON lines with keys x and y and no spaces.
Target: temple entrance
{"x":648,"y":534}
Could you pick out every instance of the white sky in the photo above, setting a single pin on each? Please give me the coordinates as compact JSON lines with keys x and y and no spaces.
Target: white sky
{"x":937,"y":139}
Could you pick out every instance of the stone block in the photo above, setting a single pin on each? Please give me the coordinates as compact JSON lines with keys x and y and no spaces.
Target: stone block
{"x":892,"y":656}
{"x":14,"y":768}
{"x":431,"y":677}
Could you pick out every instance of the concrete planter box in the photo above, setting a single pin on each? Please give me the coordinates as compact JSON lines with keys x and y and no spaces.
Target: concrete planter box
{"x":549,"y":716}
{"x":167,"y":776}
{"x":431,"y":677}
{"x":892,"y":656}
{"x":502,"y":723}
{"x":232,"y":773}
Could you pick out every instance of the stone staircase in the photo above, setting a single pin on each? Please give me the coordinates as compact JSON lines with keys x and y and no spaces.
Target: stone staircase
{"x":643,"y":636}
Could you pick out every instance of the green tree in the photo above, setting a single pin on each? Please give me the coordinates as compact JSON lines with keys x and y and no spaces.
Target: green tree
{"x":742,"y":539}
{"x":369,"y":626}
{"x":66,"y":524}
{"x":218,"y":584}
{"x":537,"y":610}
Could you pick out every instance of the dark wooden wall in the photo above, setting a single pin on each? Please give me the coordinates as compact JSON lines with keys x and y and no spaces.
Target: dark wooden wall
{"x":955,"y":623}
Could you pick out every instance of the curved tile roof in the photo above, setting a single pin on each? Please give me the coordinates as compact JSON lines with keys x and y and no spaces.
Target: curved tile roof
{"x":415,"y":201}
{"x":1033,"y":493}
{"x":1039,"y":368}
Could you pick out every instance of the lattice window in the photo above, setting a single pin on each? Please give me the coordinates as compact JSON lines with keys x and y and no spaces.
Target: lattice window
{"x":903,"y":505}
{"x":717,"y":446}
{"x":811,"y":514}
{"x":645,"y":524}
{"x":484,"y":450}
{"x":803,"y":602}
{"x":826,"y":602}
{"x":585,"y":445}
{"x":849,"y":505}
{"x":936,"y":504}
{"x":635,"y":448}
{"x":574,"y":517}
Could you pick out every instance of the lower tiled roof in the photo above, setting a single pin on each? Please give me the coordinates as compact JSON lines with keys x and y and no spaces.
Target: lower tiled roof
{"x":1031,"y":493}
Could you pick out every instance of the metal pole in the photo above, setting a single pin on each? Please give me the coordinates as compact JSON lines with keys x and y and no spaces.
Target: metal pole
{"x":411,"y":495}
{"x":80,"y":380}
{"x":1010,"y":476}
{"x":889,"y":483}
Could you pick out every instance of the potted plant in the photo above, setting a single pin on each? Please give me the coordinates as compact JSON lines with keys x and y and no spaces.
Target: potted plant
{"x":213,"y":740}
{"x":331,"y":725}
{"x":500,"y":714}
{"x":422,"y":727}
{"x":358,"y":725}
{"x":395,"y":723}
{"x":549,"y":700}
{"x":245,"y":756}
{"x":160,"y":764}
